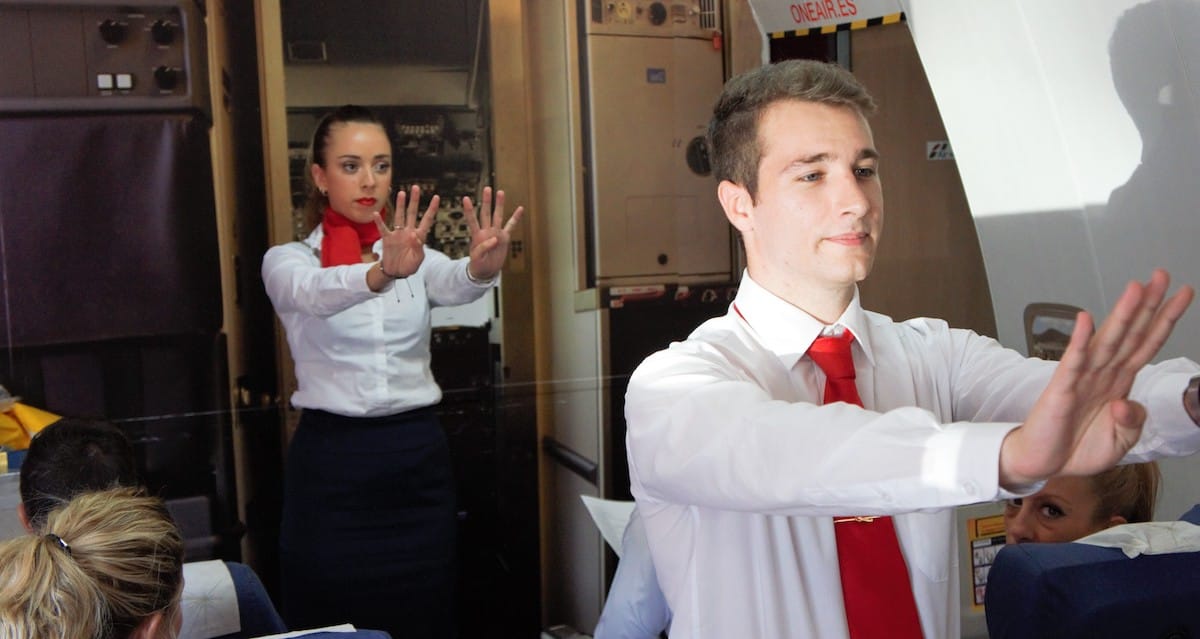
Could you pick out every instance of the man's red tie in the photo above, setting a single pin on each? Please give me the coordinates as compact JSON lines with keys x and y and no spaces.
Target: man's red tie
{"x":875,"y":586}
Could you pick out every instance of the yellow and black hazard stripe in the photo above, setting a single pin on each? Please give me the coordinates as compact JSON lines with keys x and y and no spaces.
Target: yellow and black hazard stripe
{"x":845,"y":26}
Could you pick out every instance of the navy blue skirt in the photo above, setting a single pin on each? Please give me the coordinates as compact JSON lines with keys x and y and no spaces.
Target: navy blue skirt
{"x":368,"y":532}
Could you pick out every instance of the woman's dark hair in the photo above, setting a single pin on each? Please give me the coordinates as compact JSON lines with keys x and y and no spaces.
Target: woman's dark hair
{"x":315,"y":202}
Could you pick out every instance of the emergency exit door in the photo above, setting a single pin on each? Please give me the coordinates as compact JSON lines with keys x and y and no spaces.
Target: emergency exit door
{"x":653,"y":71}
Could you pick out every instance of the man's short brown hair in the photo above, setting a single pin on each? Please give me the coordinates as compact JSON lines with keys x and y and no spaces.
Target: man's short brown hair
{"x":733,"y":130}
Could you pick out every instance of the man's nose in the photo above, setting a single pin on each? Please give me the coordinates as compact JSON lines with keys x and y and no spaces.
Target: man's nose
{"x":851,"y":196}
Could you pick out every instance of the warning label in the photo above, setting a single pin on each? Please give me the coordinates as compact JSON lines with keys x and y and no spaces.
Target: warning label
{"x":986,"y":536}
{"x":938,"y":150}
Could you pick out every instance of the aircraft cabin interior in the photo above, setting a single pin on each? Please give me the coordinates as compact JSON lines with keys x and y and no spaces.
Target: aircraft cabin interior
{"x":1034,"y":157}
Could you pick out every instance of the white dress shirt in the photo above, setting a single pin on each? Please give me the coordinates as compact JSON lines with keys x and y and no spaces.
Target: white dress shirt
{"x":357,"y":352}
{"x":737,"y":469}
{"x":635,"y":607}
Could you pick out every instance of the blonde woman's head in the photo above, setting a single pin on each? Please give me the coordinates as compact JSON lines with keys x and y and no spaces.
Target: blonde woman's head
{"x":107,"y":565}
{"x":1068,"y":508}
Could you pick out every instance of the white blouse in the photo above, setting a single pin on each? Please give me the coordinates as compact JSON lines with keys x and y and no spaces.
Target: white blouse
{"x":357,"y":352}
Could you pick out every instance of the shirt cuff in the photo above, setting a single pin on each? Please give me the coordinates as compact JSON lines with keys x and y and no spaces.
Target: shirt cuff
{"x":358,"y":279}
{"x":480,"y":283}
{"x":1164,"y":401}
{"x":965,"y":459}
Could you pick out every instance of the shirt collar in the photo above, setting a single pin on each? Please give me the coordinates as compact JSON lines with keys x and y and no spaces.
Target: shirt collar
{"x":788,"y":331}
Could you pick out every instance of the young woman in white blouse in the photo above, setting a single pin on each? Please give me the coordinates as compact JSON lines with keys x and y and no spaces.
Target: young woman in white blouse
{"x":368,"y":527}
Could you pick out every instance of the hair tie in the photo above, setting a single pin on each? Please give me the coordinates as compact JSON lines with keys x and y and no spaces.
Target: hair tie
{"x":60,"y":541}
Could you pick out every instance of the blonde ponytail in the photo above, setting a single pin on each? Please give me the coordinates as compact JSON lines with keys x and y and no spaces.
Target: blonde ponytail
{"x":107,"y":562}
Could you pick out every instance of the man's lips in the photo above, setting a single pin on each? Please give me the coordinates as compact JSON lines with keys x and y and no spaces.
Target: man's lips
{"x":849,"y":239}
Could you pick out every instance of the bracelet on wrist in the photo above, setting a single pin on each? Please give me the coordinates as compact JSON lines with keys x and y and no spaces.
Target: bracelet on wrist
{"x":475,"y":280}
{"x":389,"y":275}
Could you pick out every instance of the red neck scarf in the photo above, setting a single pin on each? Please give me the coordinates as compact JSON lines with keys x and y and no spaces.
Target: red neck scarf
{"x":344,"y":239}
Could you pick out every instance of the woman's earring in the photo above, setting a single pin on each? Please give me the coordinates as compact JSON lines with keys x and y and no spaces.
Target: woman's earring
{"x":324,"y":193}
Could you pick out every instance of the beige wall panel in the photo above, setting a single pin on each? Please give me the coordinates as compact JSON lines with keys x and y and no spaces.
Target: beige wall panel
{"x":570,"y":396}
{"x":224,"y":163}
{"x":744,"y":43}
{"x":929,"y":263}
{"x":273,"y":100}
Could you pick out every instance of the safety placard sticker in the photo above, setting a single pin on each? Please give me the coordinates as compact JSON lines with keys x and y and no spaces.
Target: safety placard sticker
{"x":985,"y":538}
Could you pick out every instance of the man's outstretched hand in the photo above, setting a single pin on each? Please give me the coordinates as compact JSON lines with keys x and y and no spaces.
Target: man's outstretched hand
{"x":1084,"y":422}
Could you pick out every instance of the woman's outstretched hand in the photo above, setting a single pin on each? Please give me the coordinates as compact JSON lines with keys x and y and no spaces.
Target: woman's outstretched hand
{"x":404,"y":244}
{"x":490,"y":234}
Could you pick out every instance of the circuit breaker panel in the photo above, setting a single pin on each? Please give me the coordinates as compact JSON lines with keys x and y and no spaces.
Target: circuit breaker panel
{"x":652,"y":72}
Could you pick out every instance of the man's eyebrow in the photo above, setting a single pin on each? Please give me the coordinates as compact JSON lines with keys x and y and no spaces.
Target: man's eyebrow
{"x":817,"y":158}
{"x":811,"y":159}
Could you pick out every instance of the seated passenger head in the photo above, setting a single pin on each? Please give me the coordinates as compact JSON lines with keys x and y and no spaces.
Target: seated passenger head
{"x":1068,"y":508}
{"x":107,"y":564}
{"x":69,"y":457}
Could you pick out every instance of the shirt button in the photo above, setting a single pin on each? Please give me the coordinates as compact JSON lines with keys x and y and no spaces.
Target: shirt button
{"x":970,"y":488}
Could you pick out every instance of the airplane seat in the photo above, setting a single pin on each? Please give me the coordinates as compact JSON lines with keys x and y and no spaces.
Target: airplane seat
{"x":227,"y":600}
{"x":1077,"y":591}
{"x":256,"y":611}
{"x":211,"y":611}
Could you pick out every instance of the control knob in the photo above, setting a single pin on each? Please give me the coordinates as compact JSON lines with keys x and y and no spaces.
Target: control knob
{"x":163,"y":32}
{"x":166,"y":77}
{"x":113,"y":32}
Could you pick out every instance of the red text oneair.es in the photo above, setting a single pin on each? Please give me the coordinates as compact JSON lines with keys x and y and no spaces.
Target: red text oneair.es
{"x":822,"y":10}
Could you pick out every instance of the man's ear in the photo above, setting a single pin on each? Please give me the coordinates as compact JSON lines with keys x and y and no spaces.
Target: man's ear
{"x":150,"y":627}
{"x":737,"y":203}
{"x":24,"y":517}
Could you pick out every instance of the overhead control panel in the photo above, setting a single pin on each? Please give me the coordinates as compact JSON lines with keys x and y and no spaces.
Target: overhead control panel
{"x":87,"y":55}
{"x":689,"y":19}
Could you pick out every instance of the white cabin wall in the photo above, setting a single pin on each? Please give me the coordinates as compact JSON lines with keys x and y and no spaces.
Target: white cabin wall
{"x":1076,"y":131}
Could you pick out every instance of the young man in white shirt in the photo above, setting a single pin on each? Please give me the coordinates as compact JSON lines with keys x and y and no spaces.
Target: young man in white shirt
{"x":741,"y":468}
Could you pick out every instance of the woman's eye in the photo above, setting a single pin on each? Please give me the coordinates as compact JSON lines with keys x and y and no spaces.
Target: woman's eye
{"x":350,"y":167}
{"x":383,"y":167}
{"x":1051,"y":511}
